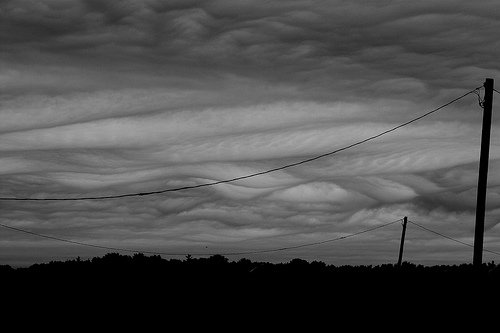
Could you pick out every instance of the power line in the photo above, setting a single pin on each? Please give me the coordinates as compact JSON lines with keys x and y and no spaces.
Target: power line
{"x":439,"y":234}
{"x":496,"y":90}
{"x":450,"y":238}
{"x":196,"y":254}
{"x":324,"y":241}
{"x":252,"y":174}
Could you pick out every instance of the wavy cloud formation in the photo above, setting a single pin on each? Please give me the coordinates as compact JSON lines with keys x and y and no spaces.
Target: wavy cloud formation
{"x":111,"y":97}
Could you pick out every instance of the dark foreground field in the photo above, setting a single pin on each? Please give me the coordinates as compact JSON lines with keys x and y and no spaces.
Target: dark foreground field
{"x":115,"y":271}
{"x":256,"y":289}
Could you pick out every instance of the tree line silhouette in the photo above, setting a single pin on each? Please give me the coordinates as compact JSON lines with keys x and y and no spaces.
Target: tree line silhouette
{"x":218,"y":267}
{"x":189,"y":283}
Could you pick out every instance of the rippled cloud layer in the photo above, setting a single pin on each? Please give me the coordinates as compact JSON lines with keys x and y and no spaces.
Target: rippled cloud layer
{"x":112,"y":97}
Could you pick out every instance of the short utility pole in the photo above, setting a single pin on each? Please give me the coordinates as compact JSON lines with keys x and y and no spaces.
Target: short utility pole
{"x":483,"y":173}
{"x":402,"y":245}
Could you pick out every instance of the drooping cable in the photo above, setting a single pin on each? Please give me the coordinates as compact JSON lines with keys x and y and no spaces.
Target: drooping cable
{"x":136,"y":194}
{"x":120,"y":249}
{"x":450,"y":238}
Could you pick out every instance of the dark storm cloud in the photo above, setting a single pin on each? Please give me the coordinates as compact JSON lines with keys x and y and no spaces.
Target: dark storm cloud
{"x":286,"y":40}
{"x":111,"y":97}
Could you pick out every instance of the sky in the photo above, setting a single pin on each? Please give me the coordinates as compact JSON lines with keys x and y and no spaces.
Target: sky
{"x":114,"y":97}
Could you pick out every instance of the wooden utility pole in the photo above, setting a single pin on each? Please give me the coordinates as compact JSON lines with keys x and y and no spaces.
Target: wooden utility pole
{"x":401,"y":246}
{"x":483,"y":173}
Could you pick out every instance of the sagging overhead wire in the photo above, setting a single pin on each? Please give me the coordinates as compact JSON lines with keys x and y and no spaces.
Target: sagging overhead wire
{"x":450,"y":238}
{"x":119,"y":249}
{"x":137,"y":194}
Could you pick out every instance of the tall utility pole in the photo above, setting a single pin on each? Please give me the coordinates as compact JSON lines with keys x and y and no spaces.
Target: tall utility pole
{"x":483,"y":173}
{"x":401,"y":246}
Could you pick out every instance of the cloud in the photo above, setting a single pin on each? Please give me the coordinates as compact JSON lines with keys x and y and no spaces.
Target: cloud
{"x":111,"y":97}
